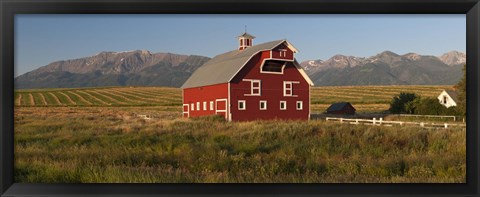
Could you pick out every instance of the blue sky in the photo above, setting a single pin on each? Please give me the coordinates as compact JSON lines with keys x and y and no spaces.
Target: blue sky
{"x":42,"y":39}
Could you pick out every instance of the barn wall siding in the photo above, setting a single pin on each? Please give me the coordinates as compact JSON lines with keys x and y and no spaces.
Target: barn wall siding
{"x":205,"y":93}
{"x":271,"y":91}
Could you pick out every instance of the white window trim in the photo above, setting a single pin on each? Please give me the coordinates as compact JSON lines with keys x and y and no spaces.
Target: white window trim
{"x":211,"y":105}
{"x":192,"y":106}
{"x":205,"y":105}
{"x":268,"y":72}
{"x":260,"y":105}
{"x":198,"y":106}
{"x":244,"y":104}
{"x":301,"y":105}
{"x":291,"y":88}
{"x":283,"y":52}
{"x":252,"y":81}
{"x":285,"y":105}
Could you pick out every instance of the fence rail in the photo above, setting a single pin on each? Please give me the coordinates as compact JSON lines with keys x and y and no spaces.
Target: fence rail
{"x":427,"y":116}
{"x":378,"y":122}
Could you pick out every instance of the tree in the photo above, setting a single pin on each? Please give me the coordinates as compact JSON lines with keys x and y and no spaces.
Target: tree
{"x":430,"y":106}
{"x":461,"y":89}
{"x":399,"y":102}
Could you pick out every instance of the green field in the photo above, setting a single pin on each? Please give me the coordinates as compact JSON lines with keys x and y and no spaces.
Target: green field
{"x":93,"y":135}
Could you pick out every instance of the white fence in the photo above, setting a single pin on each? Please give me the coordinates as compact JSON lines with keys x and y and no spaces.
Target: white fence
{"x":428,"y":116}
{"x":380,"y":121}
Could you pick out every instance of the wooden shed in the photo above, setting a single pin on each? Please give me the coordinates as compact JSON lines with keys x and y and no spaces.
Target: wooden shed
{"x":341,"y":108}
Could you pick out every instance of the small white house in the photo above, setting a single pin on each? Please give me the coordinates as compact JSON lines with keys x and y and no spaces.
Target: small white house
{"x":448,"y":98}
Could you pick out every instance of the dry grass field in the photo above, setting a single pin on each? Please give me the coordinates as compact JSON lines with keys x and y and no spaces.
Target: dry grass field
{"x":92,"y":135}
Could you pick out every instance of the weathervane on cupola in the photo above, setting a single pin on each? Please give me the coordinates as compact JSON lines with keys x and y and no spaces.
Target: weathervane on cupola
{"x":245,"y":40}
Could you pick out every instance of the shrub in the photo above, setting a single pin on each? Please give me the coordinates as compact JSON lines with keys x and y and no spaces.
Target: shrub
{"x":431,"y":106}
{"x":399,"y":102}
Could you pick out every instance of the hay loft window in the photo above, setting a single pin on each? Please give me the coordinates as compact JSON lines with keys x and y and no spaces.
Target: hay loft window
{"x":273,"y":66}
{"x":242,"y":105}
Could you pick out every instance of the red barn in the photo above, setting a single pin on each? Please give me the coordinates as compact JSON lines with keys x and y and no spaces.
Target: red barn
{"x":254,"y":82}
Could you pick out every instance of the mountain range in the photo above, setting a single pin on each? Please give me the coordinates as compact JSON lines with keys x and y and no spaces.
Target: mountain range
{"x":144,"y":68}
{"x":387,"y":68}
{"x":130,"y":68}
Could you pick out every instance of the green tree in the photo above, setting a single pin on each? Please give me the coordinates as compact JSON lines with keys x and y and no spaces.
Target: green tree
{"x":399,"y":102}
{"x":411,"y":107}
{"x":461,"y":89}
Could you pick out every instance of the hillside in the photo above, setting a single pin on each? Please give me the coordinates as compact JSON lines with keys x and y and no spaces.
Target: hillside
{"x":129,"y":68}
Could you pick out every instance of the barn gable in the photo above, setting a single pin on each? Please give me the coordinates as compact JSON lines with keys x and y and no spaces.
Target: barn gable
{"x":448,"y":98}
{"x":223,"y":68}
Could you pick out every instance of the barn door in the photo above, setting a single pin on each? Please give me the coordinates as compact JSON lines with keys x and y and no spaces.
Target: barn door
{"x":186,"y":110}
{"x":221,"y":107}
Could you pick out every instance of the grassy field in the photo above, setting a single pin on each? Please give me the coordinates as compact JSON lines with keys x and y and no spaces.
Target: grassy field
{"x":93,"y":135}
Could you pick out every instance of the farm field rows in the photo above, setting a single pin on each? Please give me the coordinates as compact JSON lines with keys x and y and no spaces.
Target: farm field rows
{"x":364,"y":98}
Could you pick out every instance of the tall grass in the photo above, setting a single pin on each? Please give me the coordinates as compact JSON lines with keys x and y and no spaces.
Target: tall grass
{"x":100,"y":145}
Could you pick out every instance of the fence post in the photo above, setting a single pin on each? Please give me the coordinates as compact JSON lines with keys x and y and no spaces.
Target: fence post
{"x":341,"y":120}
{"x":422,"y":124}
{"x":381,"y":119}
{"x":446,"y":125}
{"x":374,"y":121}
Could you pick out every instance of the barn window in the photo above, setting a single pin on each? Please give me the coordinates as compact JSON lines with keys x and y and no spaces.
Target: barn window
{"x":242,"y":105}
{"x":283,"y":53}
{"x":273,"y":66}
{"x":288,"y":88}
{"x":211,"y":105}
{"x":283,"y":105}
{"x":255,"y":87}
{"x":192,"y":106}
{"x":299,"y":105}
{"x":198,"y":106}
{"x":204,"y":105}
{"x":263,"y":105}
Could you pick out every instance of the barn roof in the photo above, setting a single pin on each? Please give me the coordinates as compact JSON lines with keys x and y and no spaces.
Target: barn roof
{"x":339,"y":106}
{"x":222,"y":68}
{"x":452,"y":94}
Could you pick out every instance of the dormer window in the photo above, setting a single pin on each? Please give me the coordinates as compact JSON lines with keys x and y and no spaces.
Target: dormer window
{"x":273,"y":66}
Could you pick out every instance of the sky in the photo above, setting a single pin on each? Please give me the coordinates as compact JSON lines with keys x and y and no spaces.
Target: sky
{"x":42,"y":39}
